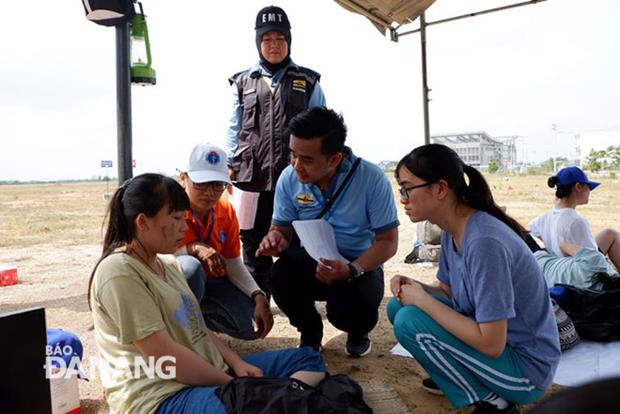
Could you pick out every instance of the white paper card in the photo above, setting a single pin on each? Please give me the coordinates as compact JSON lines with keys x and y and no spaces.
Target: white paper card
{"x":400,"y":351}
{"x":318,"y":238}
{"x":245,"y":204}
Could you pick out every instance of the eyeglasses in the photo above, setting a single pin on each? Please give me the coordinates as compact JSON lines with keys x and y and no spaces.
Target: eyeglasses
{"x":214,"y":186}
{"x":404,"y":191}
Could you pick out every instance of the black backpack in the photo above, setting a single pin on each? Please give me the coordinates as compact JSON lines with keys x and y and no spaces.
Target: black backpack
{"x":338,"y":394}
{"x":595,"y":313}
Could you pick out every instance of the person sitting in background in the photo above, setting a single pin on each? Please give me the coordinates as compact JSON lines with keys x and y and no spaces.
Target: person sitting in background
{"x":143,"y":310}
{"x":583,"y":267}
{"x":563,"y":225}
{"x":487,"y":333}
{"x":210,"y":252}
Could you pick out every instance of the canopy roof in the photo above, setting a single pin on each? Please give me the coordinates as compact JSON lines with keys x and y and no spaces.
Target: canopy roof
{"x":383,"y":13}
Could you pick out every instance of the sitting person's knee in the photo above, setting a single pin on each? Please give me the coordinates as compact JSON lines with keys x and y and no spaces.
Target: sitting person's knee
{"x":406,"y":322}
{"x":392,"y":309}
{"x":189,"y":264}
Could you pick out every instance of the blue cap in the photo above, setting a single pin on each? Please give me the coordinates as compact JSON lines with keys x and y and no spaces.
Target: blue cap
{"x":69,"y":347}
{"x":574,"y":175}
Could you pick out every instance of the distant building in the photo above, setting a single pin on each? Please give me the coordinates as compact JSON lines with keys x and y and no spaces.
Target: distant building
{"x":479,"y":148}
{"x":388,"y":165}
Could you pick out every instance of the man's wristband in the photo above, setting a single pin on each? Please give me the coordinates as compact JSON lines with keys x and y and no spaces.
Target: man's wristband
{"x":355,"y":270}
{"x":256,"y":293}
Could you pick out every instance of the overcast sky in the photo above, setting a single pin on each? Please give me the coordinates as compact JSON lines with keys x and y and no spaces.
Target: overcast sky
{"x":515,"y":72}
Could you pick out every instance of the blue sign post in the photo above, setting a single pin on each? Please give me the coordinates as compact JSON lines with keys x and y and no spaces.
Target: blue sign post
{"x":106,"y":164}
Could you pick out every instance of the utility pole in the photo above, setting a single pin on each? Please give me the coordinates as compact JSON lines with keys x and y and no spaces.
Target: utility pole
{"x":554,"y":127}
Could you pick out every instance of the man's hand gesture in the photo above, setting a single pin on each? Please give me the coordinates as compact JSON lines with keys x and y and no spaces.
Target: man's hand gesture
{"x":272,"y":244}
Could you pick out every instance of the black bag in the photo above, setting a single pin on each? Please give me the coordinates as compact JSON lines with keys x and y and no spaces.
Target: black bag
{"x":338,"y":394}
{"x":109,"y":12}
{"x":595,"y":313}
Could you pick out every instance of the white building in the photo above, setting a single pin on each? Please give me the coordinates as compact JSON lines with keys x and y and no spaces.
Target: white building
{"x":479,"y":148}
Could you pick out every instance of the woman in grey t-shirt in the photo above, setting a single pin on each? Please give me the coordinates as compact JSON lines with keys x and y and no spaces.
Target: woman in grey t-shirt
{"x":486,"y":334}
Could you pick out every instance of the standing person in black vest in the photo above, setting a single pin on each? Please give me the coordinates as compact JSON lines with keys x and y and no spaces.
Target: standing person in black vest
{"x":266,"y":97}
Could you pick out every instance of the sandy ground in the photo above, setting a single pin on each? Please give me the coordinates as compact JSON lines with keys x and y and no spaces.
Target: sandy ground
{"x":56,"y":278}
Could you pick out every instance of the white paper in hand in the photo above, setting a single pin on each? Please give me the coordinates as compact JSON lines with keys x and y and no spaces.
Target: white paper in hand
{"x":318,"y":238}
{"x":245,"y":204}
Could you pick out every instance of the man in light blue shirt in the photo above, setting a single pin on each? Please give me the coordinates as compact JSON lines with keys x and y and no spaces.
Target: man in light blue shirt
{"x":356,"y":199}
{"x":266,"y":97}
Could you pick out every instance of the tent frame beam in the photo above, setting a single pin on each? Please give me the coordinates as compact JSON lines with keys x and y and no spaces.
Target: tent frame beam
{"x":395,"y":36}
{"x":462,"y":16}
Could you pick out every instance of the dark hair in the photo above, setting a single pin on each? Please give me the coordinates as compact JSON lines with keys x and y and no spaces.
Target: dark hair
{"x":434,"y":162}
{"x":561,"y":191}
{"x":146,"y":193}
{"x":320,"y":122}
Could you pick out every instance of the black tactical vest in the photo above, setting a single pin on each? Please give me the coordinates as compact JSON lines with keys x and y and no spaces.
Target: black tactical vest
{"x":262,"y":151}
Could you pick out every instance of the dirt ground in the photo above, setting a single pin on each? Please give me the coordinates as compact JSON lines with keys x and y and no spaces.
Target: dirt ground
{"x":52,"y":234}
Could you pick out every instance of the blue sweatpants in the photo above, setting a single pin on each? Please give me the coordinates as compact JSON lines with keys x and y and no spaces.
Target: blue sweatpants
{"x":463,"y":374}
{"x":283,"y":363}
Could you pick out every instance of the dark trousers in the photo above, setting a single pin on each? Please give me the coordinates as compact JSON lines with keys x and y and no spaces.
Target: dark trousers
{"x":259,"y":266}
{"x":352,"y":306}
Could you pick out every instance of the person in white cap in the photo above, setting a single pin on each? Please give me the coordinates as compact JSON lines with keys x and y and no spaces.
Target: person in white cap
{"x":210,"y":253}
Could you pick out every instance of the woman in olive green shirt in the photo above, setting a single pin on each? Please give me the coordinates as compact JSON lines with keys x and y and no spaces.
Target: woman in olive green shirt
{"x":156,"y":353}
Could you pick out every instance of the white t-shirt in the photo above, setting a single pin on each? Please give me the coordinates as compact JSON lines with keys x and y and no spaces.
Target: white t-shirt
{"x":562,"y":225}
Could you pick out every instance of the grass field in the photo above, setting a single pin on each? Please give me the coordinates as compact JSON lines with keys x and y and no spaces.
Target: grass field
{"x":62,"y":214}
{"x":72,"y":214}
{"x":53,"y":232}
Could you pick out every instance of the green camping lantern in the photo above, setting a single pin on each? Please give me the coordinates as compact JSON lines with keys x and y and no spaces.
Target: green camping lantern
{"x":141,"y":71}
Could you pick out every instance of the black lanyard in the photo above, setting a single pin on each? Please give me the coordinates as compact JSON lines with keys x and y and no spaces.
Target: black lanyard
{"x":332,"y":199}
{"x":197,"y":226}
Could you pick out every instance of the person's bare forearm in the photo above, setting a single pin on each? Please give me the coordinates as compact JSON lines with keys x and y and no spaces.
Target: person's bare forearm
{"x":384,"y":247}
{"x":440,"y":289}
{"x":190,"y":368}
{"x":287,"y":231}
{"x":230,"y":357}
{"x":489,"y":340}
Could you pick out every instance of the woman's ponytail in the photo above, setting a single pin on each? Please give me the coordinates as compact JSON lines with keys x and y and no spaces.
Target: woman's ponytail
{"x":434,"y":162}
{"x":116,"y":233}
{"x":478,"y":195}
{"x":561,"y":191}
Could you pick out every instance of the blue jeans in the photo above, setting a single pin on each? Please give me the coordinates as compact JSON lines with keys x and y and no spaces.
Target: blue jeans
{"x":225,"y":308}
{"x":279,"y":364}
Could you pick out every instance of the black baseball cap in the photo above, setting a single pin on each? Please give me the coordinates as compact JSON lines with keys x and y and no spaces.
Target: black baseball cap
{"x":272,"y":19}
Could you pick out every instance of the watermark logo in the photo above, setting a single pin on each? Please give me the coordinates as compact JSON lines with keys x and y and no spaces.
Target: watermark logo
{"x":62,"y":362}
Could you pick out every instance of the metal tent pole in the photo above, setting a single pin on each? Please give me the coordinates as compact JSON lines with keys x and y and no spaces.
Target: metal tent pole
{"x":123,"y":103}
{"x":425,"y":100}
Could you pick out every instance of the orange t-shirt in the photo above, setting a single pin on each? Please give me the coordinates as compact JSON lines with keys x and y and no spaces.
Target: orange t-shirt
{"x":224,"y":237}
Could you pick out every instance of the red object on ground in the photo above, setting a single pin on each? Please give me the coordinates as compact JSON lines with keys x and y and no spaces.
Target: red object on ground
{"x":8,"y":275}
